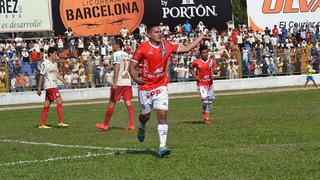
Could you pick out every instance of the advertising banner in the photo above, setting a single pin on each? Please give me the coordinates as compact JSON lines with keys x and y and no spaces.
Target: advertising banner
{"x":25,"y":15}
{"x":89,"y":17}
{"x":267,"y":13}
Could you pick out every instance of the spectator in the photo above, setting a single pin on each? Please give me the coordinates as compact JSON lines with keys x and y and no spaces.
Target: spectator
{"x":21,"y":82}
{"x":72,"y":45}
{"x":75,"y":79}
{"x":124,"y":32}
{"x":68,"y":34}
{"x":187,"y":28}
{"x":80,"y":44}
{"x":25,"y":56}
{"x":180,"y":70}
{"x":2,"y":76}
{"x":13,"y":83}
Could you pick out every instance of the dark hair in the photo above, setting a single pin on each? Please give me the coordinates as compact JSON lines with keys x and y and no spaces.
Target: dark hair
{"x":202,"y":47}
{"x":151,"y":27}
{"x":51,"y":50}
{"x":119,"y":42}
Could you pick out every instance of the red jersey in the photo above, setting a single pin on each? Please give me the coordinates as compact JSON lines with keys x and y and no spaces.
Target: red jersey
{"x":153,"y":63}
{"x":204,"y":71}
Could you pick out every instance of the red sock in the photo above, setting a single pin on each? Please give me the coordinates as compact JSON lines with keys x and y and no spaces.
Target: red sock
{"x":131,"y":115}
{"x":108,"y":116}
{"x":44,"y":115}
{"x":59,"y":111}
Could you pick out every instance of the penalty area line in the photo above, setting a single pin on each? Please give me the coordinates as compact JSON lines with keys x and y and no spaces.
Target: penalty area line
{"x":73,"y":146}
{"x":89,"y":155}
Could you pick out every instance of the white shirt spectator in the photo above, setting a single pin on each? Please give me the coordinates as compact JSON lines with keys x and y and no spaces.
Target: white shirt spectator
{"x":201,"y":27}
{"x":267,"y":39}
{"x":274,"y":41}
{"x":103,"y":50}
{"x":85,"y":55}
{"x":68,"y":78}
{"x":142,"y":29}
{"x":124,"y":32}
{"x":105,"y":40}
{"x":13,"y":84}
{"x":82,"y":78}
{"x":60,"y":43}
{"x":80,"y":43}
{"x":239,"y":39}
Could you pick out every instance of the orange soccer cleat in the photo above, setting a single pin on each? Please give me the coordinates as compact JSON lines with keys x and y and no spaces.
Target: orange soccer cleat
{"x":130,"y":128}
{"x":102,"y":127}
{"x":206,"y":118}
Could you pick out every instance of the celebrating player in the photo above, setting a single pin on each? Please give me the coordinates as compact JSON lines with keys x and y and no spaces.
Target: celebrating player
{"x":201,"y":69}
{"x":121,"y":86}
{"x":149,"y":69}
{"x":49,"y":72}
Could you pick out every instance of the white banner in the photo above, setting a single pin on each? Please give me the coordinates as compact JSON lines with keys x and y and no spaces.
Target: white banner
{"x":267,"y":13}
{"x":25,"y":15}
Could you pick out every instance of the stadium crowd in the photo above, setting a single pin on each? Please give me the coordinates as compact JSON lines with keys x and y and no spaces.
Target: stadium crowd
{"x":238,"y":53}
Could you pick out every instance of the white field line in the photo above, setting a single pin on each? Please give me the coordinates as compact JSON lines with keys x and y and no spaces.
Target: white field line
{"x":240,"y":92}
{"x":71,"y":146}
{"x":89,"y":155}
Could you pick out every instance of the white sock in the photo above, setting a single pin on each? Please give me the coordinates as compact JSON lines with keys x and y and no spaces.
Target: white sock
{"x":162,"y":131}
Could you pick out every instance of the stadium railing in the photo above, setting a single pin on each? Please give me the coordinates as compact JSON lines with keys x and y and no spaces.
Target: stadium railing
{"x":236,"y":66}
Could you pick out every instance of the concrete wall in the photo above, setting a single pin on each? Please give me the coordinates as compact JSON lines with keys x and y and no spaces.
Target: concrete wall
{"x":98,"y":93}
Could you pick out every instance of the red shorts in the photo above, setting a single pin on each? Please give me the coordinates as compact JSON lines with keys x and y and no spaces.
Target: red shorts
{"x":121,"y":91}
{"x":52,"y":94}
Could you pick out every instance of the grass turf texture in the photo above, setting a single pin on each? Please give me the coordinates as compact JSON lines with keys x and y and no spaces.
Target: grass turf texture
{"x":259,"y":136}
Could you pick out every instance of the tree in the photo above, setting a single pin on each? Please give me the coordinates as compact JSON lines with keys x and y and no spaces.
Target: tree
{"x":239,"y":8}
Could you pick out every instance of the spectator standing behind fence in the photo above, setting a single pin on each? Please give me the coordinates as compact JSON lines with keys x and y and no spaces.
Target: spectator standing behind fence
{"x":187,"y":28}
{"x":2,"y":77}
{"x":68,"y":34}
{"x":34,"y":58}
{"x":180,"y":72}
{"x":310,"y":71}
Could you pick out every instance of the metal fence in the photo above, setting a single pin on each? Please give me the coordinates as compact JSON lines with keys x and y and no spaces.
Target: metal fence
{"x":94,"y":72}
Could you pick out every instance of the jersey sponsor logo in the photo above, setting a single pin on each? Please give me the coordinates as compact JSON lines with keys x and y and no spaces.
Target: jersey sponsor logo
{"x":90,"y":17}
{"x":153,"y":93}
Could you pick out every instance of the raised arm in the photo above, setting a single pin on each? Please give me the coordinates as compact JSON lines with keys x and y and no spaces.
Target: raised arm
{"x":190,"y":46}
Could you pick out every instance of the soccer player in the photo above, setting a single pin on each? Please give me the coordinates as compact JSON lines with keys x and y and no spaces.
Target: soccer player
{"x":121,"y":86}
{"x":202,"y":70}
{"x":149,"y":69}
{"x":310,"y":71}
{"x":49,"y":74}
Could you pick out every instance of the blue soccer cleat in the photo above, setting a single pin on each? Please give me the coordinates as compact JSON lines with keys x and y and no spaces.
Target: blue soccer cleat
{"x":163,"y":151}
{"x":141,"y":134}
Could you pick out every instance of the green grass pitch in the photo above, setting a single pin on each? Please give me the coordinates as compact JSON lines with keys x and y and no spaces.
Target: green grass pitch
{"x":256,"y":136}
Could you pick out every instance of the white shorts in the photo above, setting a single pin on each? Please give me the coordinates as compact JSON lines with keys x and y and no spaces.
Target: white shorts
{"x":153,"y":99}
{"x":206,"y":92}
